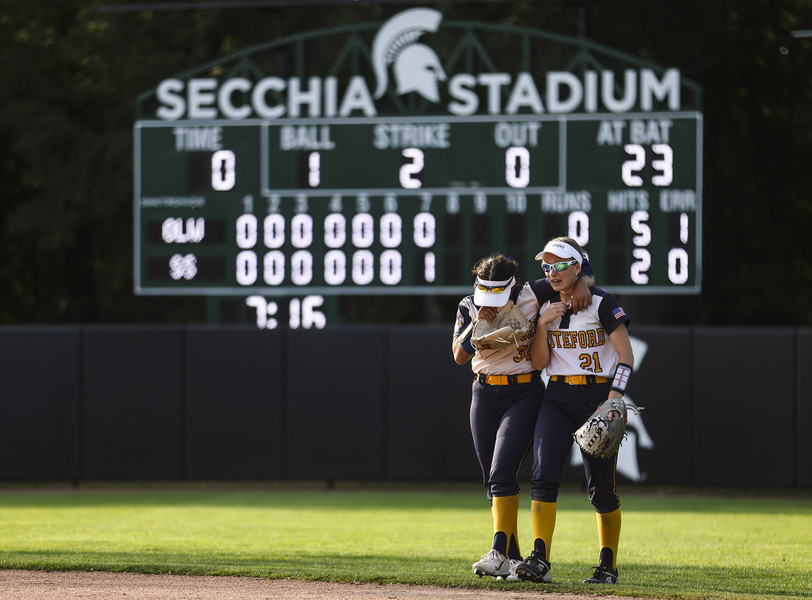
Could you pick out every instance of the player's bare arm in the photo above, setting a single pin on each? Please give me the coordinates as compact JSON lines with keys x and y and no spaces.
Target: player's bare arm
{"x":540,"y":349}
{"x":581,"y":296}
{"x":460,"y":355}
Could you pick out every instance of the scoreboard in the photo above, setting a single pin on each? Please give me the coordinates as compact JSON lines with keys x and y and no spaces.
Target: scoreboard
{"x":407,"y":204}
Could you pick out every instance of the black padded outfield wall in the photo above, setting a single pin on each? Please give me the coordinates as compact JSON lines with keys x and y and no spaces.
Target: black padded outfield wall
{"x":132,"y":403}
{"x":201,"y":402}
{"x":40,"y":402}
{"x":803,"y":409}
{"x":233,"y":404}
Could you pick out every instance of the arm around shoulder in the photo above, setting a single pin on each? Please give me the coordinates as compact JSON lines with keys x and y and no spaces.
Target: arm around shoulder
{"x":581,"y":295}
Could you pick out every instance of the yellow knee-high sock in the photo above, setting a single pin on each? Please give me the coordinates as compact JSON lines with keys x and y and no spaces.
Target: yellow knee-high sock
{"x":609,"y":534}
{"x":542,"y":524}
{"x":513,"y":542}
{"x":505,"y":513}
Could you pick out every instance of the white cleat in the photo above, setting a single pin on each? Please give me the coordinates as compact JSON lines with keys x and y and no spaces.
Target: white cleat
{"x":512,"y":576}
{"x":513,"y":563}
{"x":493,"y":564}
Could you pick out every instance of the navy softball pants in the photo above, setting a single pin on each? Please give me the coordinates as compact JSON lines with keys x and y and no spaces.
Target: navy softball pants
{"x":503,"y":419}
{"x":564,"y":409}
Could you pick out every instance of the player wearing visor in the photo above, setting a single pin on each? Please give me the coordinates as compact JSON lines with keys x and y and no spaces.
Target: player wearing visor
{"x":505,"y":396}
{"x":588,"y":356}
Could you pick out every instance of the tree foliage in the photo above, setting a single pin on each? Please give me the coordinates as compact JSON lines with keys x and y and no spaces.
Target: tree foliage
{"x":71,"y":73}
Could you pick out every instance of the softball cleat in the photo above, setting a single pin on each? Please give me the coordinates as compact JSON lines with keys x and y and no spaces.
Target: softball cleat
{"x":603,"y":575}
{"x":535,"y":569}
{"x":493,"y":564}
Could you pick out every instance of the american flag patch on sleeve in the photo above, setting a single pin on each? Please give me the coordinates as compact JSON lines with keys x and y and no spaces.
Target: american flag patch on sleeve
{"x":619,"y":312}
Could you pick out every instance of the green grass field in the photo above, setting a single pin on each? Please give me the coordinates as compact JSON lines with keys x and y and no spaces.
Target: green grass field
{"x":674,"y":544}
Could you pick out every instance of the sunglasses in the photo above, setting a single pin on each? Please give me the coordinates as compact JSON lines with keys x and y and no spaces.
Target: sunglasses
{"x":559,"y":266}
{"x":495,"y":290}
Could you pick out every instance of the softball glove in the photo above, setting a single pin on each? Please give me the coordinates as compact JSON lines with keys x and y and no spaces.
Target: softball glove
{"x":601,"y":437}
{"x":508,"y":328}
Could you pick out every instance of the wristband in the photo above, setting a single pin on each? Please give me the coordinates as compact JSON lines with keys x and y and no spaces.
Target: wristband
{"x":465,"y":339}
{"x":622,"y":376}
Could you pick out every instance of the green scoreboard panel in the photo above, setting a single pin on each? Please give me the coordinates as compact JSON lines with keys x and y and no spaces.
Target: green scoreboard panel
{"x":406,"y":205}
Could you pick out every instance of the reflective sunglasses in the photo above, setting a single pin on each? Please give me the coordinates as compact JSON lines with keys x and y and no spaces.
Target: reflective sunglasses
{"x":495,"y":290}
{"x":559,"y":266}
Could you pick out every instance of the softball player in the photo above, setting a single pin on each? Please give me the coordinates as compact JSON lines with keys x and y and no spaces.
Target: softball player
{"x":505,"y":397}
{"x":588,"y":357}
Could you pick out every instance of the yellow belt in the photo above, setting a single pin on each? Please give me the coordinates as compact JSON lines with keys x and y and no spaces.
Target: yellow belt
{"x":505,"y":379}
{"x":579,"y":379}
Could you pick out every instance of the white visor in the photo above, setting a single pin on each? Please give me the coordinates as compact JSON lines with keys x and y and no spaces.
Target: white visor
{"x":489,"y":298}
{"x":562,"y":249}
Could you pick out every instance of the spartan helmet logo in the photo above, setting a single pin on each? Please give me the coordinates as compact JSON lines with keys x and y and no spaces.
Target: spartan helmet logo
{"x":416,"y":66}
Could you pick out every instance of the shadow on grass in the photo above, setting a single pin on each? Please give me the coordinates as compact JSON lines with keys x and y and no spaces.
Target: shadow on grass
{"x":315,"y":500}
{"x":388,"y":495}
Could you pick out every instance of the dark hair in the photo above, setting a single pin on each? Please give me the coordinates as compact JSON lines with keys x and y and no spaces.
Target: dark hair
{"x":496,"y":267}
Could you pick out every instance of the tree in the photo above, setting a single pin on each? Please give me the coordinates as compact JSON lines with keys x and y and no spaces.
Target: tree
{"x":72,"y":73}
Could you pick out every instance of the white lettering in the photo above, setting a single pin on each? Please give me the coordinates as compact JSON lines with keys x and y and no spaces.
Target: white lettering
{"x":591,"y":92}
{"x":261,"y":89}
{"x":668,"y":87}
{"x":172,"y":105}
{"x":610,"y":133}
{"x":650,"y":132}
{"x":564,"y":202}
{"x":357,"y":97}
{"x":502,"y":93}
{"x":201,"y":98}
{"x":629,"y":91}
{"x":330,"y":97}
{"x":626,"y":200}
{"x":297,"y":97}
{"x":193,"y":139}
{"x":516,"y":134}
{"x":524,"y":94}
{"x":176,"y":231}
{"x":554,"y":83}
{"x":494,"y":83}
{"x":305,"y":137}
{"x":466,"y":102}
{"x":224,"y":98}
{"x":678,"y":200}
{"x":409,"y":135}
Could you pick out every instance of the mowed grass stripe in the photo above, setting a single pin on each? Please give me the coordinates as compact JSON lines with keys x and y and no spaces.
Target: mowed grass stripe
{"x":672,"y":545}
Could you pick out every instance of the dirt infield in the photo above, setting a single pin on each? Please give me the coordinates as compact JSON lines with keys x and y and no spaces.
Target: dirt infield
{"x":66,"y":585}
